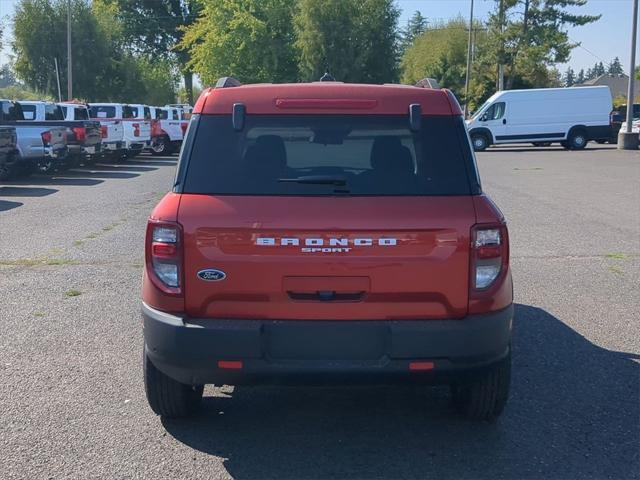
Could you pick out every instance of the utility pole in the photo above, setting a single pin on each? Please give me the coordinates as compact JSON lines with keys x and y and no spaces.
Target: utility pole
{"x":628,"y":140}
{"x":469,"y":49}
{"x":69,"y":62}
{"x":55,"y":59}
{"x":500,"y":58}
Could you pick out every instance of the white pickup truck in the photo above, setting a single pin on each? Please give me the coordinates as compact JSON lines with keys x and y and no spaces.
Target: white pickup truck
{"x":137,"y":128}
{"x":113,"y":144}
{"x":167,"y":130}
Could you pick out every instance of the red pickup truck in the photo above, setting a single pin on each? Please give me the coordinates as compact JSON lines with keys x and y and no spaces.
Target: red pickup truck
{"x":327,"y":232}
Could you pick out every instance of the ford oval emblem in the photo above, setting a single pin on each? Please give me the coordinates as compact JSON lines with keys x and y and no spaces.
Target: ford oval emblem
{"x":212,"y":275}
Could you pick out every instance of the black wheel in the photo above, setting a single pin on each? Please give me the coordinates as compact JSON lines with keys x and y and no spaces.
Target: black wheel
{"x":161,"y":146}
{"x":577,"y":139}
{"x":167,"y":397}
{"x":46,"y":166}
{"x":479,"y":142}
{"x":484,"y":396}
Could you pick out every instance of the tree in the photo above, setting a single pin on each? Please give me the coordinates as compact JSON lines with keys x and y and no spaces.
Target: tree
{"x":355,"y":40}
{"x":615,"y":67}
{"x":569,"y":77}
{"x":598,"y":69}
{"x":7,"y":78}
{"x":416,"y":26}
{"x":156,"y":27}
{"x":637,"y":73}
{"x":252,"y":40}
{"x":580,"y":78}
{"x":531,"y":34}
{"x":35,"y":54}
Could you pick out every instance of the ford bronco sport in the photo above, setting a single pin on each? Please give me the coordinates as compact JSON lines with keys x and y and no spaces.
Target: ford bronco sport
{"x":327,"y":232}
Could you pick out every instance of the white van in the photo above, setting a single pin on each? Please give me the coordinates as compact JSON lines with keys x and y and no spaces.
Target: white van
{"x":571,"y":116}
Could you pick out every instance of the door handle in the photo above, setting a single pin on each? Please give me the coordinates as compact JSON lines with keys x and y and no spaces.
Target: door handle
{"x":504,"y":121}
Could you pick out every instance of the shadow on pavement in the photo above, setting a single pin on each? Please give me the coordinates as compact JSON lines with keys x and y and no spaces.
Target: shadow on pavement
{"x":95,"y":173}
{"x":6,"y":205}
{"x":114,"y":167}
{"x":55,"y":180}
{"x":573,"y":413}
{"x":558,"y":149}
{"x":26,"y":191}
{"x":152,"y":163}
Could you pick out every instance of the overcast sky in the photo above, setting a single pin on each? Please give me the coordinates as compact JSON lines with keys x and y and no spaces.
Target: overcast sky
{"x":601,"y":41}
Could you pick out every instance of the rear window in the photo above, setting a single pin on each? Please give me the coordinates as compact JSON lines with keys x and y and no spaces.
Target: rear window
{"x":81,"y":113}
{"x":29,"y":112}
{"x":162,"y":114}
{"x":129,"y":112}
{"x":147,"y":113}
{"x":53,"y":112}
{"x":102,"y":111}
{"x":328,"y":155}
{"x":11,"y":111}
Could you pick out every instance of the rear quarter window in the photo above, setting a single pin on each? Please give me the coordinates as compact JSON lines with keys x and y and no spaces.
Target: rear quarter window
{"x":347,"y":154}
{"x":29,"y":112}
{"x":102,"y":111}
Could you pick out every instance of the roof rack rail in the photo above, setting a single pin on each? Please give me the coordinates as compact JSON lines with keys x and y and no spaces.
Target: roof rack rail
{"x":428,"y":83}
{"x":226,"y":82}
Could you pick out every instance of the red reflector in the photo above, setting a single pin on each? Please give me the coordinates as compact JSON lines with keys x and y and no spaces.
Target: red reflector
{"x":418,"y":366}
{"x":329,"y":104}
{"x":164,"y":249}
{"x":230,"y":364}
{"x":489,"y":251}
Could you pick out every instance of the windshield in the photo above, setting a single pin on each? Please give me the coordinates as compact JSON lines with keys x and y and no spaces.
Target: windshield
{"x":482,"y":107}
{"x":325,"y":155}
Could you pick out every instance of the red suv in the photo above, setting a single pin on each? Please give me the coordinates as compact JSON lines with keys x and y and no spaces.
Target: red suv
{"x":327,"y":232}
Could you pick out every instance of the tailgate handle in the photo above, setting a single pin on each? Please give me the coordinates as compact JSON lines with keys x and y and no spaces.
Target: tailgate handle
{"x":327,"y":296}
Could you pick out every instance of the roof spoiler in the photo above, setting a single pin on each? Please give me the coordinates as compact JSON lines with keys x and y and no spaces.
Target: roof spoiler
{"x":226,"y":82}
{"x":428,"y":83}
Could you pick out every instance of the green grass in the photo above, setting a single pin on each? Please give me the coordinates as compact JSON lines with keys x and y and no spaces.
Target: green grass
{"x":38,"y":314}
{"x":73,"y":293}
{"x":616,"y":256}
{"x":616,"y":270}
{"x":91,"y":236}
{"x":78,"y":243}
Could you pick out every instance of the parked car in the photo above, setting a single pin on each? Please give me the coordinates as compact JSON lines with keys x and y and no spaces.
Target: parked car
{"x":8,"y":150}
{"x":571,"y":116}
{"x":167,"y":130}
{"x":82,"y":135}
{"x":136,"y":131}
{"x":618,"y":117}
{"x":85,"y":142}
{"x":327,"y":232}
{"x":41,"y":145}
{"x":112,"y":129}
{"x":185,"y":108}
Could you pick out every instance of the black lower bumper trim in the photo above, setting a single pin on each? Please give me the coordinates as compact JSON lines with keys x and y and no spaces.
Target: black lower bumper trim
{"x":309,"y":351}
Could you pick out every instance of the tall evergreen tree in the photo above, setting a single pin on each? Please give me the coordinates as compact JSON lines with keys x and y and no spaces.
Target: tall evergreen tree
{"x":615,"y":67}
{"x":569,"y":78}
{"x":581,"y":77}
{"x":416,"y":26}
{"x":355,"y":40}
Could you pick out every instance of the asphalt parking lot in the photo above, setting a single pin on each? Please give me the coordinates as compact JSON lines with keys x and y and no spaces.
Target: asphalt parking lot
{"x":71,"y":389}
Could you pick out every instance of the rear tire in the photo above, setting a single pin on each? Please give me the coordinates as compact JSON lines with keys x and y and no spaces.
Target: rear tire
{"x":479,"y":141}
{"x":484,"y":396}
{"x":577,"y":139}
{"x":168,"y":397}
{"x":161,"y":146}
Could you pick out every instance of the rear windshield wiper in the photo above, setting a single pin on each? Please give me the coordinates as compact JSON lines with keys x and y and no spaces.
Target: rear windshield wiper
{"x":317,"y":180}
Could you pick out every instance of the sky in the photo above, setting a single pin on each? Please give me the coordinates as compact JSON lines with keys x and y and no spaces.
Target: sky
{"x":601,"y":41}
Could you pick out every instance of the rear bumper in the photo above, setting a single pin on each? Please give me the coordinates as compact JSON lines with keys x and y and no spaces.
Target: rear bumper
{"x":113,"y":146}
{"x":296,"y":351}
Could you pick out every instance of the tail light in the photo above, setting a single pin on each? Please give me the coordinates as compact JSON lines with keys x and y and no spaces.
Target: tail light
{"x":136,"y":129}
{"x":80,"y":133}
{"x":184,"y":126}
{"x":163,"y":255}
{"x":489,"y":255}
{"x":46,"y":138}
{"x":104,"y":131}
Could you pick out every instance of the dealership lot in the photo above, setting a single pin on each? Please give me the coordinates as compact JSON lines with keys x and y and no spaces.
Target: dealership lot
{"x":70,"y":352}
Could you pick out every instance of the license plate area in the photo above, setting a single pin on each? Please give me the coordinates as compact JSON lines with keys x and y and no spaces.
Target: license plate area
{"x":326,"y":340}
